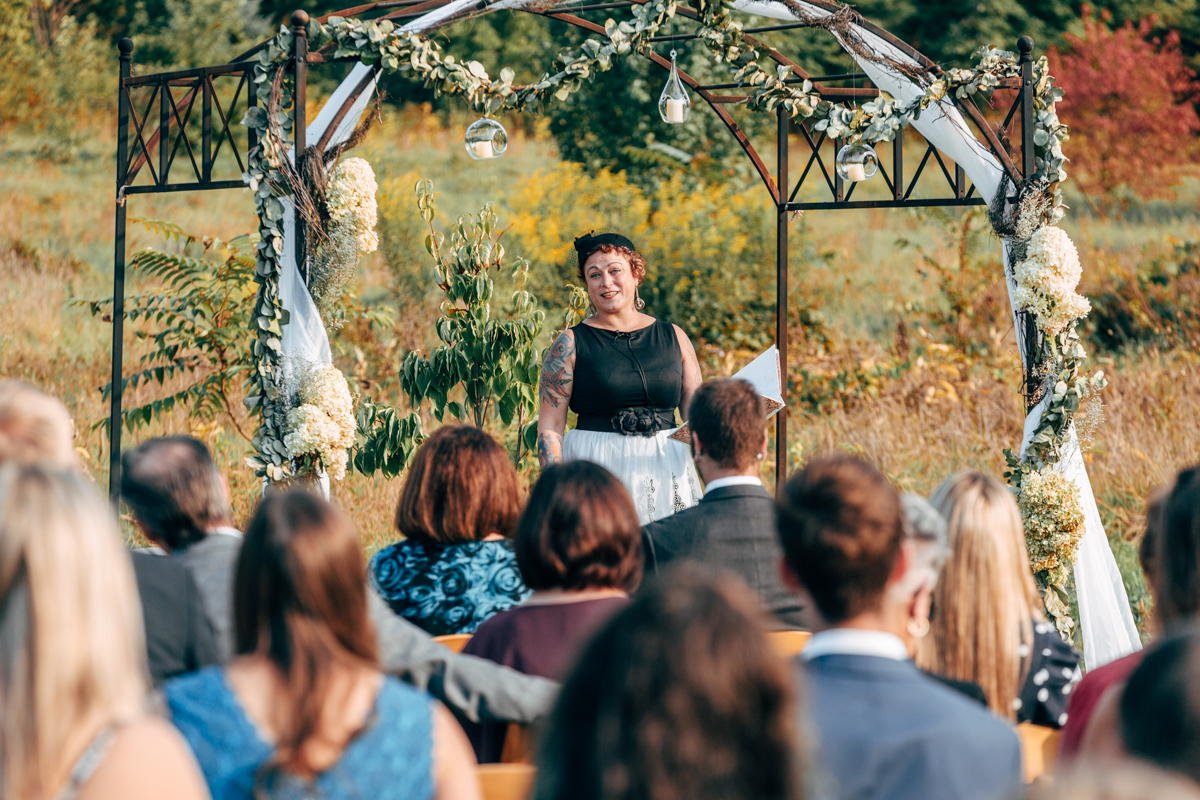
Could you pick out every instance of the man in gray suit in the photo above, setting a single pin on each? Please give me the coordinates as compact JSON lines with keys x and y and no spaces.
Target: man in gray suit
{"x":733,"y":526}
{"x":180,"y":502}
{"x":884,"y":730}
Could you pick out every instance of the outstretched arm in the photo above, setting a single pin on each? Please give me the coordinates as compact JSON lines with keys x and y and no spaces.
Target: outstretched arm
{"x":691,"y":371}
{"x":554,"y":393}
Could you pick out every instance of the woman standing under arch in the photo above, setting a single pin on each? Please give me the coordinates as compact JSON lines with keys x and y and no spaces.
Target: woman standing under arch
{"x":624,"y":373}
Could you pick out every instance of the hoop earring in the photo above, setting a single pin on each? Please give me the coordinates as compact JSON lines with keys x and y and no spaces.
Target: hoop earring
{"x":638,"y":302}
{"x":918,"y":627}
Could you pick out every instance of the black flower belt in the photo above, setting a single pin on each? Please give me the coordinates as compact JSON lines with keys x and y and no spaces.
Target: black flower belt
{"x":634,"y":421}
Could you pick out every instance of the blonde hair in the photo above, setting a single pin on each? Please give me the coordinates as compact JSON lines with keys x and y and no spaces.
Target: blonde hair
{"x":985,"y":600}
{"x":72,"y":649}
{"x":35,"y":427}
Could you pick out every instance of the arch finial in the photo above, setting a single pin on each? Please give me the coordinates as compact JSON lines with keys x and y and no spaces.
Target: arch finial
{"x":125,"y":46}
{"x":1025,"y":45}
{"x":299,"y":18}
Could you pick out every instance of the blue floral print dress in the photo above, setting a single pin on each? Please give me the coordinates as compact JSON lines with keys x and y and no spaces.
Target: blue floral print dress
{"x":448,"y":588}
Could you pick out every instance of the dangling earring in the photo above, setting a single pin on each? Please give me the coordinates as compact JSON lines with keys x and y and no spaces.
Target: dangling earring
{"x":918,"y":627}
{"x":638,"y":302}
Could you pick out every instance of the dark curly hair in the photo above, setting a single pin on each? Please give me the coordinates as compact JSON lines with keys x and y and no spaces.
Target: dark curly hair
{"x":679,"y":697}
{"x":637,"y":264}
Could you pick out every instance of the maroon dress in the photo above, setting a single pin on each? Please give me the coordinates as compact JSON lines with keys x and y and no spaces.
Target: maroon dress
{"x":540,"y":640}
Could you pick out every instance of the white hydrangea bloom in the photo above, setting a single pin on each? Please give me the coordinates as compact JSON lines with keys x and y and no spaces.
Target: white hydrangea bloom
{"x":323,"y":423}
{"x":351,"y":198}
{"x":1047,"y":278}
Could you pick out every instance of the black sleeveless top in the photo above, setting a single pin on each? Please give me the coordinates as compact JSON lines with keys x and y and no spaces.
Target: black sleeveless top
{"x":627,"y":382}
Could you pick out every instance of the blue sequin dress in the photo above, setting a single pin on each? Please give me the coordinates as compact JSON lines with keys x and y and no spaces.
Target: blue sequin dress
{"x":448,"y":588}
{"x":391,"y":759}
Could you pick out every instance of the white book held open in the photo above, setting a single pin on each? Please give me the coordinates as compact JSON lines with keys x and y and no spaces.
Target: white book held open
{"x":763,"y":374}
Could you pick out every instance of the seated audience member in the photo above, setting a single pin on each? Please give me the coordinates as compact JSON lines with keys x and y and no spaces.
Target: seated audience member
{"x":36,"y":428}
{"x":926,"y":530}
{"x":1086,"y":697}
{"x":457,"y":511}
{"x":680,"y":695}
{"x":579,"y":549}
{"x":1160,"y":706}
{"x":988,"y":626}
{"x":180,"y":503}
{"x":191,"y":486}
{"x":304,"y":710}
{"x":733,"y":526}
{"x":884,"y":730}
{"x":179,"y":635}
{"x":72,"y":658}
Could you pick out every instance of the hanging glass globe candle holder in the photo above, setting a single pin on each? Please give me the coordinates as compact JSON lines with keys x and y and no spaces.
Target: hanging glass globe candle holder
{"x":674,"y":105}
{"x":486,"y":138}
{"x":857,"y":162}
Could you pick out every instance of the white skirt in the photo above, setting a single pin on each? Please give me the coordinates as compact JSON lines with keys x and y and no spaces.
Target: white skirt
{"x":657,"y":470}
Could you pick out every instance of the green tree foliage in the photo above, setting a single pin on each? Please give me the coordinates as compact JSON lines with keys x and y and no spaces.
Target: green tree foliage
{"x":486,"y":368}
{"x":195,"y":320}
{"x":57,"y":76}
{"x":615,"y":123}
{"x":194,"y":33}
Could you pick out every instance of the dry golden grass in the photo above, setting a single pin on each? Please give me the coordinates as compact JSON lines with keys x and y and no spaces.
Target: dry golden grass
{"x":948,"y":413}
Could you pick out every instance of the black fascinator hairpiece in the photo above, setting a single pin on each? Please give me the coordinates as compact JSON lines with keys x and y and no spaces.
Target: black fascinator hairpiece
{"x":591,"y":242}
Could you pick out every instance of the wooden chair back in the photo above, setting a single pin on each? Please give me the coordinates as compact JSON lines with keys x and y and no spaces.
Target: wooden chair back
{"x":455,"y":641}
{"x":789,"y":643}
{"x":505,"y":781}
{"x":1039,"y":749}
{"x":518,"y":744}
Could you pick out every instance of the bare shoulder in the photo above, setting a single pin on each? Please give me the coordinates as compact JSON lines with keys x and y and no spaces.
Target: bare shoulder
{"x":147,"y":759}
{"x":684,"y":341}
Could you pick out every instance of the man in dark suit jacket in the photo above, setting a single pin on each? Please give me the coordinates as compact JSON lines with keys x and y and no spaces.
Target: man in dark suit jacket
{"x":179,"y":638}
{"x":884,"y":730}
{"x":733,"y":526}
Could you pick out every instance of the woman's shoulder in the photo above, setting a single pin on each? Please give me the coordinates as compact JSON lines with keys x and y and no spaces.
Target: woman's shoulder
{"x":143,"y":758}
{"x":395,"y":693}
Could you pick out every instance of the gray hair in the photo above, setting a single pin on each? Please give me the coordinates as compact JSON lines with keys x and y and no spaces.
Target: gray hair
{"x":925,"y":526}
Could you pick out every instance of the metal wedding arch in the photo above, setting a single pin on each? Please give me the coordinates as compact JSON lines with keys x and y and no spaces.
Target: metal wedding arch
{"x":187,"y":116}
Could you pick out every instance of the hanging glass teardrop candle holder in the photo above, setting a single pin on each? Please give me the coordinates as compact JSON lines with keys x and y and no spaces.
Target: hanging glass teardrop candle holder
{"x":674,"y":105}
{"x":857,"y":162}
{"x":486,"y":138}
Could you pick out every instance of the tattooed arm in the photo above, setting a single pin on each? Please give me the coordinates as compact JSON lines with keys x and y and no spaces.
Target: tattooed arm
{"x":554,"y":393}
{"x":691,"y":371}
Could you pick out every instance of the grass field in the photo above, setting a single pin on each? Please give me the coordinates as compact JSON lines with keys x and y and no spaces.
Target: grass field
{"x":956,"y":407}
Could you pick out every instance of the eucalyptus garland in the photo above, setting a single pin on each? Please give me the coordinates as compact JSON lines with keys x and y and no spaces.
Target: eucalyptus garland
{"x":380,"y":42}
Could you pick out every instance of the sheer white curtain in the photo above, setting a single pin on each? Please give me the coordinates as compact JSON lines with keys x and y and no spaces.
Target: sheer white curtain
{"x":1107,"y":623}
{"x":1109,"y":631}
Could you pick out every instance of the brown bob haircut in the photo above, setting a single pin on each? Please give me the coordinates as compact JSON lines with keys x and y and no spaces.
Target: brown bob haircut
{"x":729,"y":417}
{"x":840,"y":525}
{"x":299,"y":596}
{"x":579,"y":531}
{"x":637,"y":264}
{"x":461,"y":487}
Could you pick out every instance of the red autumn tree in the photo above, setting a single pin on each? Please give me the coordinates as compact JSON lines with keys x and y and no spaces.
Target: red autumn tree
{"x":1129,"y":104}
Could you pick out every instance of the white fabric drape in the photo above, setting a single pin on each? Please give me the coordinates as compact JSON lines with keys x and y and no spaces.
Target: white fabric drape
{"x":1105,"y":618}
